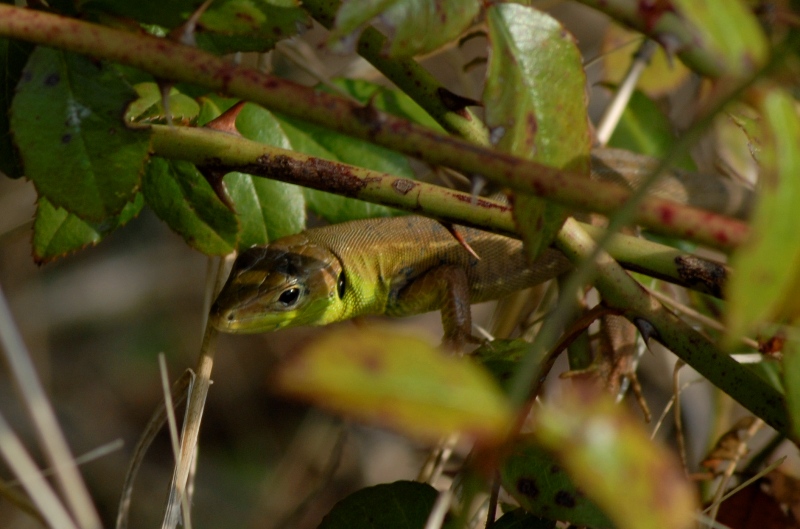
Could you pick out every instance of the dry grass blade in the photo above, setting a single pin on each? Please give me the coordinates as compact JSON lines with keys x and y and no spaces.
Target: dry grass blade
{"x":196,"y":403}
{"x":178,"y":394}
{"x":440,"y":510}
{"x":173,"y":502}
{"x":20,"y":501}
{"x":766,"y":470}
{"x":28,"y":474}
{"x":51,"y":438}
{"x":614,"y":111}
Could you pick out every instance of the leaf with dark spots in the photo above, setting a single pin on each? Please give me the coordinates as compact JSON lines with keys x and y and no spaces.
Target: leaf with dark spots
{"x":533,"y":478}
{"x":608,"y":454}
{"x":390,"y":379}
{"x":520,"y":519}
{"x":52,"y":79}
{"x":74,"y":144}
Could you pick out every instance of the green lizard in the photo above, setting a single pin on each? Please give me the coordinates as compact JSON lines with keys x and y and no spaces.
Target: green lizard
{"x":410,"y":265}
{"x":394,"y":266}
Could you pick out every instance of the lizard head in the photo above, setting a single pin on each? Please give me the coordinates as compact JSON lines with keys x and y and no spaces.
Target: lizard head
{"x":288,"y":283}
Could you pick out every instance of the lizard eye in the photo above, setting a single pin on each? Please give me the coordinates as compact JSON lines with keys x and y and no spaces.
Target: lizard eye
{"x":289,"y":296}
{"x":341,"y":285}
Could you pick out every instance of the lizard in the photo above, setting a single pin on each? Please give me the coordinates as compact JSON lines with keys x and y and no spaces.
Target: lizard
{"x":398,"y":266}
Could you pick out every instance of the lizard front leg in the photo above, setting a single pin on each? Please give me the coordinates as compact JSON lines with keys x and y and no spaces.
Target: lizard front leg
{"x":445,"y":287}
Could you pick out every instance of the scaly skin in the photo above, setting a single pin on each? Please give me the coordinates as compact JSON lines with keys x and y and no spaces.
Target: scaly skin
{"x":394,"y":266}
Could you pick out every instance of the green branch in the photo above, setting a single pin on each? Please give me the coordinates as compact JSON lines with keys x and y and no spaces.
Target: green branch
{"x":622,"y":292}
{"x":410,"y":77}
{"x":225,"y":153}
{"x":169,"y":60}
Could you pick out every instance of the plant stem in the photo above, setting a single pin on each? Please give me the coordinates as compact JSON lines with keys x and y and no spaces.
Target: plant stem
{"x":172,"y":61}
{"x":410,"y":77}
{"x":622,"y":292}
{"x":225,"y":152}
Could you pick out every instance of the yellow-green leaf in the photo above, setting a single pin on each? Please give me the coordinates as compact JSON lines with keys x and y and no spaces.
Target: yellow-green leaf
{"x":380,"y":376}
{"x":726,"y":30}
{"x":636,"y":482}
{"x":766,"y":285}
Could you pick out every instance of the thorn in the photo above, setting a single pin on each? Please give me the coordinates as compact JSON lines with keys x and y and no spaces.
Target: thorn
{"x":214,"y":178}
{"x":226,"y":122}
{"x":455,"y":102}
{"x":185,"y":32}
{"x":457,"y":236}
{"x":647,"y":330}
{"x":165,"y":87}
{"x":478,"y":185}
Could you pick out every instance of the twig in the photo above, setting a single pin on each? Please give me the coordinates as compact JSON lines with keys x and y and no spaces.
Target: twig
{"x":676,"y":393}
{"x":614,"y":111}
{"x":741,"y":450}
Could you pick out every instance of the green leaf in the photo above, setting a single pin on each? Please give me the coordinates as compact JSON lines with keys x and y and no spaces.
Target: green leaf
{"x":68,"y":124}
{"x":662,"y":75}
{"x":398,"y":505}
{"x":388,"y":100}
{"x":502,"y":358}
{"x":182,"y":198}
{"x":166,"y":14}
{"x":413,"y":27}
{"x":13,"y":56}
{"x":791,"y":381}
{"x":728,"y":31}
{"x":267,"y":209}
{"x":57,"y":232}
{"x":543,"y":488}
{"x":324,"y":143}
{"x":765,"y":285}
{"x":535,"y":106}
{"x":149,"y":107}
{"x":637,"y":483}
{"x":520,"y":519}
{"x":380,"y":376}
{"x":643,"y":128}
{"x":228,"y":26}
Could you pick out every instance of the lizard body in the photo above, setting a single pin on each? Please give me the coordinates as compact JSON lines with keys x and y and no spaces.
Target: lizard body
{"x":395,"y":266}
{"x":409,"y":265}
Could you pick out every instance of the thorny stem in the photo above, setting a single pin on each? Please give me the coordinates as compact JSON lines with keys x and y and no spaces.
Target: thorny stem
{"x":176,"y":62}
{"x":216,"y":150}
{"x":621,"y":291}
{"x":410,"y":77}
